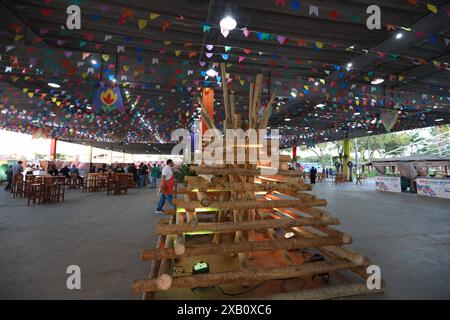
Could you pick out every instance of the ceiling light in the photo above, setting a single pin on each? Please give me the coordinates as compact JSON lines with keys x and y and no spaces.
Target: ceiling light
{"x":357,"y":113}
{"x":211,"y":72}
{"x":127,"y":92}
{"x":316,"y":83}
{"x":439,"y":120}
{"x":349,"y":65}
{"x":287,"y":119}
{"x":369,"y":131}
{"x":53,"y":85}
{"x":320,"y":105}
{"x":377,"y":81}
{"x":227,"y":23}
{"x":293,"y":94}
{"x":93,"y":61}
{"x":399,"y":35}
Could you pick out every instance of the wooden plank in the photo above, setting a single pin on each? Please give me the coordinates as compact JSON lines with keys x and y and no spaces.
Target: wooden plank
{"x":211,"y":279}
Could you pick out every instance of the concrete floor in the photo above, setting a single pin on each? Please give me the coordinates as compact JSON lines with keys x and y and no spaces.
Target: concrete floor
{"x":408,"y":236}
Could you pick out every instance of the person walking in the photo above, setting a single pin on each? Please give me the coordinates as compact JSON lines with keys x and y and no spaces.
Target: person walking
{"x":313,"y":175}
{"x":166,"y":188}
{"x":154,"y":176}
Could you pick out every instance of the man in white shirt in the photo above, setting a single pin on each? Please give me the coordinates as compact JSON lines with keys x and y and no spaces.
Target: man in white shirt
{"x":166,"y":188}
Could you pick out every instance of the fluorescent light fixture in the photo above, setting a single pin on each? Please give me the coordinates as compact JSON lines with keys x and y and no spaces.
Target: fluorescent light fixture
{"x":320,"y":105}
{"x":316,"y":83}
{"x":93,"y":61}
{"x":377,"y":81}
{"x":287,"y":119}
{"x":53,"y":85}
{"x":357,"y":113}
{"x":293,"y":94}
{"x":349,"y":65}
{"x":399,"y":35}
{"x":439,"y":120}
{"x":369,"y":131}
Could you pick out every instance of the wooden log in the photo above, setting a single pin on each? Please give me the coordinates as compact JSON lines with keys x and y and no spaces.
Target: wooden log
{"x":344,"y":253}
{"x":256,"y":99}
{"x":240,"y":171}
{"x":244,"y":225}
{"x":250,"y":104}
{"x":154,"y":268}
{"x":252,"y":204}
{"x":242,"y":246}
{"x":180,"y":245}
{"x":233,"y":112}
{"x":331,"y":292}
{"x":164,"y":279}
{"x":291,"y":180}
{"x":267,"y":112}
{"x":248,"y":187}
{"x":223,"y":73}
{"x":211,"y":279}
{"x":203,"y":198}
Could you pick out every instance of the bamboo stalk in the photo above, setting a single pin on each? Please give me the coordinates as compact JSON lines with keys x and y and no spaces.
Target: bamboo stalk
{"x":250,"y":104}
{"x":240,"y":171}
{"x":223,"y":72}
{"x":256,"y":99}
{"x":244,"y":225}
{"x":248,"y":187}
{"x":211,"y":279}
{"x":240,"y":247}
{"x":267,"y":112}
{"x":252,"y":204}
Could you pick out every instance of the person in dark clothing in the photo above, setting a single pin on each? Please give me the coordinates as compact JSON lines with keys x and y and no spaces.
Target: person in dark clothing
{"x":142,"y":172}
{"x":65,"y":172}
{"x":9,"y":177}
{"x":132,"y":169}
{"x":119,"y":169}
{"x":53,"y":171}
{"x":312,"y":175}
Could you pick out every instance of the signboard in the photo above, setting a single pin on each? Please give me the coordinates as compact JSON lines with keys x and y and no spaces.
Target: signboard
{"x":433,"y":187}
{"x":390,"y":184}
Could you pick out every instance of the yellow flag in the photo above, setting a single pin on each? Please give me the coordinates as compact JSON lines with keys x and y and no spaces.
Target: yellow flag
{"x":177,"y":53}
{"x":432,"y":8}
{"x":153,"y":16}
{"x":18,"y":37}
{"x":319,"y":44}
{"x":142,"y":23}
{"x":105,"y":57}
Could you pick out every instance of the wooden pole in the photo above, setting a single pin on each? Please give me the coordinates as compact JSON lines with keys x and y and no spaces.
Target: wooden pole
{"x":211,"y":279}
{"x":241,"y":246}
{"x":243,"y":226}
{"x":252,"y":204}
{"x":240,"y":171}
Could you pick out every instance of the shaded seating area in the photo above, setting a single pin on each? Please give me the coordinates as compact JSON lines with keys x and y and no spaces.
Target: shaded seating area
{"x":95,"y":182}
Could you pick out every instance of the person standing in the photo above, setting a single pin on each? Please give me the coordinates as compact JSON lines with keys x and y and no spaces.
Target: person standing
{"x":16,"y":170}
{"x":154,"y":176}
{"x":166,"y":188}
{"x":312,"y":175}
{"x":9,"y":176}
{"x":141,"y":172}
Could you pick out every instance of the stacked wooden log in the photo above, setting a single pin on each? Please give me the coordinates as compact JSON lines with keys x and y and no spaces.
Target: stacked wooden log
{"x":250,"y":228}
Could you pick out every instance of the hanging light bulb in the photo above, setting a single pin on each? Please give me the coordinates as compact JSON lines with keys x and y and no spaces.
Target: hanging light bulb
{"x":227,"y":23}
{"x":211,"y":72}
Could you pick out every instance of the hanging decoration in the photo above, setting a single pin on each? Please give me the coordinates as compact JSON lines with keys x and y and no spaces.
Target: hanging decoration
{"x":108,"y":98}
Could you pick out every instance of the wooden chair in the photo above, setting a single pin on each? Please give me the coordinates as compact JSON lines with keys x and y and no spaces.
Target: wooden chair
{"x":117,"y":184}
{"x":339,"y":178}
{"x":18,"y":186}
{"x":74,"y":182}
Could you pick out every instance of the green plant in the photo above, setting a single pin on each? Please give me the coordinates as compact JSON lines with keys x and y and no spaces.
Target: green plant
{"x":182,"y":172}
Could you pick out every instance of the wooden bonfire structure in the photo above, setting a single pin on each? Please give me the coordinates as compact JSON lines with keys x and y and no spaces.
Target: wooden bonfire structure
{"x":262,"y":236}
